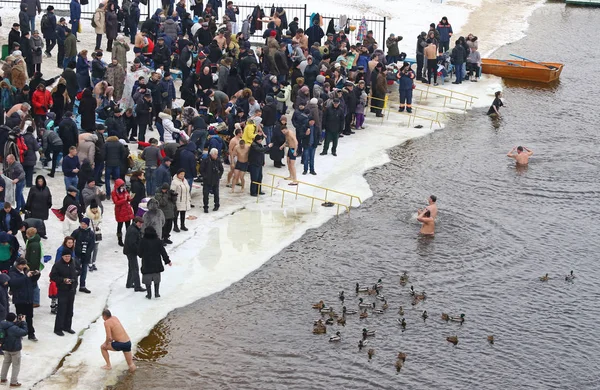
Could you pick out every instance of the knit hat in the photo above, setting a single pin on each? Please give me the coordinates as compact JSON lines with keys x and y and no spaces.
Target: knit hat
{"x":165,"y":186}
{"x":314,"y":101}
{"x":93,"y":204}
{"x":11,"y":317}
{"x":273,"y":79}
{"x":321,"y":78}
{"x":66,"y":251}
{"x":86,"y":221}
{"x":273,"y":33}
{"x":21,"y":261}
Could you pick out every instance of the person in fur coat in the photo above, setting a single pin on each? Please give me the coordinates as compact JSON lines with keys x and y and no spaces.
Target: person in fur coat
{"x":154,"y":218}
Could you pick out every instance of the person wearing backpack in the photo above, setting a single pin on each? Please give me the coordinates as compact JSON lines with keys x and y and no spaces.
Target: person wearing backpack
{"x":49,"y":30}
{"x":99,"y":24}
{"x":13,"y":328}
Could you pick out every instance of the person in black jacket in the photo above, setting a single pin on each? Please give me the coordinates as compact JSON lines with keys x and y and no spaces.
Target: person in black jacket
{"x":133,"y":236}
{"x":14,"y":36}
{"x":64,"y":274}
{"x":22,"y":282}
{"x":152,"y":250}
{"x":278,"y":139}
{"x":100,"y":154}
{"x":333,"y":123}
{"x":161,"y":55}
{"x":71,"y":199}
{"x":351,"y":101}
{"x":29,"y":157}
{"x":115,"y":125}
{"x":87,"y":110}
{"x":212,"y":170}
{"x":39,"y":200}
{"x":13,"y":331}
{"x":143,"y":113}
{"x":114,"y":152}
{"x":138,"y":190}
{"x":85,"y":241}
{"x":256,"y":161}
{"x":60,"y":41}
{"x":156,"y":90}
{"x":459,"y":54}
{"x":68,"y":132}
{"x":27,"y":51}
{"x":12,"y":224}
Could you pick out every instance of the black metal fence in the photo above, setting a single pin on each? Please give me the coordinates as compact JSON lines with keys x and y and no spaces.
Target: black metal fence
{"x":377,"y":25}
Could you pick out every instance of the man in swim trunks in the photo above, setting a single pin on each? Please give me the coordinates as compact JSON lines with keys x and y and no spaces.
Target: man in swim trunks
{"x":240,"y":153}
{"x":116,"y":340}
{"x":292,"y":144}
{"x":428,"y":228}
{"x":522,"y":154}
{"x":232,"y":144}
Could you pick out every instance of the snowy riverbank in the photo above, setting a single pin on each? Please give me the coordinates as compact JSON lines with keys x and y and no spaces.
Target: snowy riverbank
{"x":223,"y":247}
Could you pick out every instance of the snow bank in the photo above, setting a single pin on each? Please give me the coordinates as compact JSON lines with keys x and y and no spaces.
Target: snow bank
{"x":223,"y":247}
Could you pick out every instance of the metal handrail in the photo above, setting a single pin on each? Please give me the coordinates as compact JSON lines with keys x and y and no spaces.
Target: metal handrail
{"x":327,"y":190}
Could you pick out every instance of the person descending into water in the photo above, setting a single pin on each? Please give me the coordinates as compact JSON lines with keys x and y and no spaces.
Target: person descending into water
{"x":428,"y":228}
{"x":521,"y":155}
{"x":432,"y":206}
{"x":116,"y":340}
{"x":496,"y":104}
{"x":292,"y":144}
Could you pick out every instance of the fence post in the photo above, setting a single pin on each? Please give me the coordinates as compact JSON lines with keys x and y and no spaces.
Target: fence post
{"x":383,"y":40}
{"x":305,"y":17}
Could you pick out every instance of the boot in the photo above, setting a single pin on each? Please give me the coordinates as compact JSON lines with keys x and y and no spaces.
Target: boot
{"x":175,"y":227}
{"x":156,"y":294}
{"x":120,"y":238}
{"x":148,"y":291}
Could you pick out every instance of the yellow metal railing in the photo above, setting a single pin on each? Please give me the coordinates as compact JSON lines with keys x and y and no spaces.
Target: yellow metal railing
{"x":327,"y":190}
{"x":296,"y":193}
{"x":447,"y":98}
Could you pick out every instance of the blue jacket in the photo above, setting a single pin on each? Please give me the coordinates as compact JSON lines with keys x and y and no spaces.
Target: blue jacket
{"x":59,"y":253}
{"x":162,"y":175}
{"x":68,"y":164}
{"x":363,"y":60}
{"x":60,"y":34}
{"x":217,"y":143}
{"x":21,"y":286}
{"x":169,"y":88}
{"x":13,"y":331}
{"x":75,"y":8}
{"x":187,"y":160}
{"x":82,"y":66}
{"x":445,"y":31}
{"x":406,"y":80}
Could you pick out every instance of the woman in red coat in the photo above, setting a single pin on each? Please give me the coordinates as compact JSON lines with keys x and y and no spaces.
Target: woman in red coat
{"x":123,"y":210}
{"x":41,"y":102}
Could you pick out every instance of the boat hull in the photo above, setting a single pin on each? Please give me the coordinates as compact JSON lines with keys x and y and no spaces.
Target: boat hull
{"x":522,"y":70}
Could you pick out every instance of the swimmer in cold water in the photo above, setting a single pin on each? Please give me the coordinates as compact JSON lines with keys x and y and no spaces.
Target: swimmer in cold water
{"x":116,"y":340}
{"x":432,"y":206}
{"x":428,"y":227}
{"x":521,"y":154}
{"x":496,"y":104}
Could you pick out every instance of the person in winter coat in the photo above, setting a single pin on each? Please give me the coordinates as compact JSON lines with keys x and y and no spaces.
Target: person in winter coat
{"x":445,"y":30}
{"x":13,"y":330}
{"x":114,"y":152}
{"x":83,"y":70}
{"x":71,"y":221}
{"x":161,"y":54}
{"x":11,"y":221}
{"x":162,"y":174}
{"x":170,"y":131}
{"x":98,"y":70}
{"x":187,"y":160}
{"x":37,"y":45}
{"x":33,"y":255}
{"x":112,"y":25}
{"x":459,"y":54}
{"x":39,"y":199}
{"x":22,"y":283}
{"x":170,"y":28}
{"x":143,"y":113}
{"x":86,"y":148}
{"x":154,"y":218}
{"x":256,"y":161}
{"x":350,"y":102}
{"x":87,"y":110}
{"x":133,"y":236}
{"x":29,"y":157}
{"x":68,"y":132}
{"x":24,"y":20}
{"x":153,"y":254}
{"x":276,"y":153}
{"x":85,"y":242}
{"x":94,"y":214}
{"x":166,"y":199}
{"x":99,"y":19}
{"x":183,"y":203}
{"x":4,"y":303}
{"x":392,"y":46}
{"x":60,"y":101}
{"x":123,"y":210}
{"x":92,"y":193}
{"x":314,"y":33}
{"x":333,"y":123}
{"x":119,"y":51}
{"x":137,"y":189}
{"x":212,"y":170}
{"x":115,"y":76}
{"x":41,"y":102}
{"x":64,"y":273}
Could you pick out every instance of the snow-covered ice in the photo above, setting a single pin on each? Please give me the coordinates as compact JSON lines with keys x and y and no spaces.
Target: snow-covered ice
{"x":223,"y":247}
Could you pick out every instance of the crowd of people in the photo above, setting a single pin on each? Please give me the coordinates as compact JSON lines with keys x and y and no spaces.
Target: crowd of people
{"x":238,"y":102}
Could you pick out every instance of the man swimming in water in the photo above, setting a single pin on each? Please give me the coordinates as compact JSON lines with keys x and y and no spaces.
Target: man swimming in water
{"x":428,"y":228}
{"x":292,"y":144}
{"x":116,"y":340}
{"x":432,"y":207}
{"x":522,"y":154}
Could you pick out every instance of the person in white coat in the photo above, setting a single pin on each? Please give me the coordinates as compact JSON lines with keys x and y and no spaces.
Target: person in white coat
{"x":169,"y":128}
{"x":184,"y":202}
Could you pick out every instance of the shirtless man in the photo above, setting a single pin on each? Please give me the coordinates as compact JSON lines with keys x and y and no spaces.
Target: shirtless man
{"x":240,"y":152}
{"x":428,"y":228}
{"x":522,"y":154}
{"x":116,"y":340}
{"x":292,"y":144}
{"x":432,"y":207}
{"x":232,"y":144}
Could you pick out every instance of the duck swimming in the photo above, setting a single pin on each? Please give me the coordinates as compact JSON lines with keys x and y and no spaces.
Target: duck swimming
{"x":360,"y":288}
{"x":368,"y":333}
{"x":445,"y":317}
{"x":398,"y":365}
{"x":364,"y":314}
{"x":452,"y":339}
{"x":570,"y":277}
{"x":346,"y":311}
{"x":362,"y":304}
{"x":424,"y":315}
{"x":544,"y":278}
{"x":337,"y":337}
{"x":402,"y":356}
{"x":460,"y":318}
{"x":379,"y":284}
{"x":402,"y":322}
{"x":401,"y":311}
{"x":319,"y":305}
{"x":319,"y":328}
{"x":326,"y":310}
{"x":329,"y":321}
{"x":490,"y":339}
{"x":342,"y":321}
{"x":404,"y":278}
{"x":342,"y":297}
{"x":371,"y":352}
{"x":378,"y":311}
{"x":362,"y":343}
{"x":412,"y":291}
{"x":380,"y":297}
{"x":385,"y":305}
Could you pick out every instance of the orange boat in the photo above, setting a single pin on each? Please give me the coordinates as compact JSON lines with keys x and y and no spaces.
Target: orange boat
{"x":543,"y":72}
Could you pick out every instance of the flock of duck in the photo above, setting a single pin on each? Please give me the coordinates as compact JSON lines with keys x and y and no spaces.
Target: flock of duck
{"x":372,"y":308}
{"x":320,"y":325}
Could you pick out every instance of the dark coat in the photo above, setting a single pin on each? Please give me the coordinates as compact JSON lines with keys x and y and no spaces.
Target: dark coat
{"x":100,"y":154}
{"x":21,"y":286}
{"x":69,"y":134}
{"x":256,"y":156}
{"x":69,"y":200}
{"x":333,"y":119}
{"x":71,"y":79}
{"x":4,"y":304}
{"x":166,"y":203}
{"x":187,"y":160}
{"x":24,"y":20}
{"x":212,"y":170}
{"x":87,"y":110}
{"x":85,"y":240}
{"x":459,"y":54}
{"x":13,"y":332}
{"x":133,"y":236}
{"x":39,"y":200}
{"x":112,"y":25}
{"x":152,"y":251}
{"x":114,"y":152}
{"x":61,"y":271}
{"x":30,"y":158}
{"x":162,"y":175}
{"x":115,"y":126}
{"x":49,"y":32}
{"x":277,"y":139}
{"x":15,"y":221}
{"x":138,"y":190}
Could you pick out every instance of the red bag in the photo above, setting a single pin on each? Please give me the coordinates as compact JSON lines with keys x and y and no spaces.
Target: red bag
{"x":58,"y":214}
{"x":52,"y":289}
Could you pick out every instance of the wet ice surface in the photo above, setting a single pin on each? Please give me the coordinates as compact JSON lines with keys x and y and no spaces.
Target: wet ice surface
{"x":220,"y":248}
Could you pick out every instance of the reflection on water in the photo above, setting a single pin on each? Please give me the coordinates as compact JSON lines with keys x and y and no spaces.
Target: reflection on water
{"x":500,"y":228}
